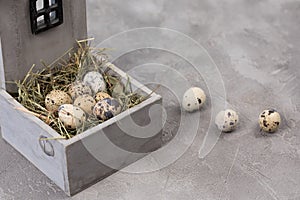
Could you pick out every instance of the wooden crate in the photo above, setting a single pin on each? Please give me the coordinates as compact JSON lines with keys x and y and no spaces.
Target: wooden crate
{"x":81,"y":161}
{"x":74,"y":164}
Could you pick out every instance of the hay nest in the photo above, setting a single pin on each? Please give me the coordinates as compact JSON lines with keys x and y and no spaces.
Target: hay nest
{"x":59,"y":75}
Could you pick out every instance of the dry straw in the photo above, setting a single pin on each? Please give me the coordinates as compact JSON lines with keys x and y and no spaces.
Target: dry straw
{"x":60,"y":74}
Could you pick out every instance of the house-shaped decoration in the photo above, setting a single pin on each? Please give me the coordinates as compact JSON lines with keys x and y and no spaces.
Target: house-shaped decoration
{"x":30,"y":31}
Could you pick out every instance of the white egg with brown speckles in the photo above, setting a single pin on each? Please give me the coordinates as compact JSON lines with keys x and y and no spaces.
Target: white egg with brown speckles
{"x":86,"y":103}
{"x":95,"y":81}
{"x":227,"y":120}
{"x":269,"y":120}
{"x":107,"y":108}
{"x":71,"y":116}
{"x":78,"y":88}
{"x":101,"y":95}
{"x":193,"y":99}
{"x":55,"y":99}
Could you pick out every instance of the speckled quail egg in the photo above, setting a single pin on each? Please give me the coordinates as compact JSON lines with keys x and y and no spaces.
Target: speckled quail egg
{"x":71,"y":116}
{"x":56,"y":98}
{"x":193,"y":99}
{"x":269,"y":120}
{"x":227,"y":120}
{"x":78,"y":88}
{"x":107,"y":108}
{"x":101,"y":95}
{"x":86,"y":103}
{"x":95,"y":81}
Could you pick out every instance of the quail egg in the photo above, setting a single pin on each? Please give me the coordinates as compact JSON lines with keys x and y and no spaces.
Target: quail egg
{"x":78,"y":88}
{"x":95,"y":81}
{"x":193,"y":99}
{"x":101,"y":95}
{"x":227,"y":120}
{"x":107,"y":108}
{"x":86,"y":103}
{"x":56,"y":98}
{"x":269,"y":120}
{"x":71,"y":116}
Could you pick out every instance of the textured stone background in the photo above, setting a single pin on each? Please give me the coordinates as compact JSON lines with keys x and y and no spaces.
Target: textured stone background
{"x":256,"y":46}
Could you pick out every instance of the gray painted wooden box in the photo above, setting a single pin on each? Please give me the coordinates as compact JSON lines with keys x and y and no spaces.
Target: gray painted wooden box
{"x":81,"y":161}
{"x":76,"y":163}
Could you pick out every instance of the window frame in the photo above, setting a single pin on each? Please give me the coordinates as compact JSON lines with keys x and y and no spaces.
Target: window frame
{"x":48,"y":22}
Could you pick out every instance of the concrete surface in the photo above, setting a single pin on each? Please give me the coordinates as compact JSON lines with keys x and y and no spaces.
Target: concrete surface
{"x":255,"y":44}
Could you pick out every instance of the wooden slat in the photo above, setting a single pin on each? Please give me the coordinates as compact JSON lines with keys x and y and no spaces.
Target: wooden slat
{"x":23,"y":131}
